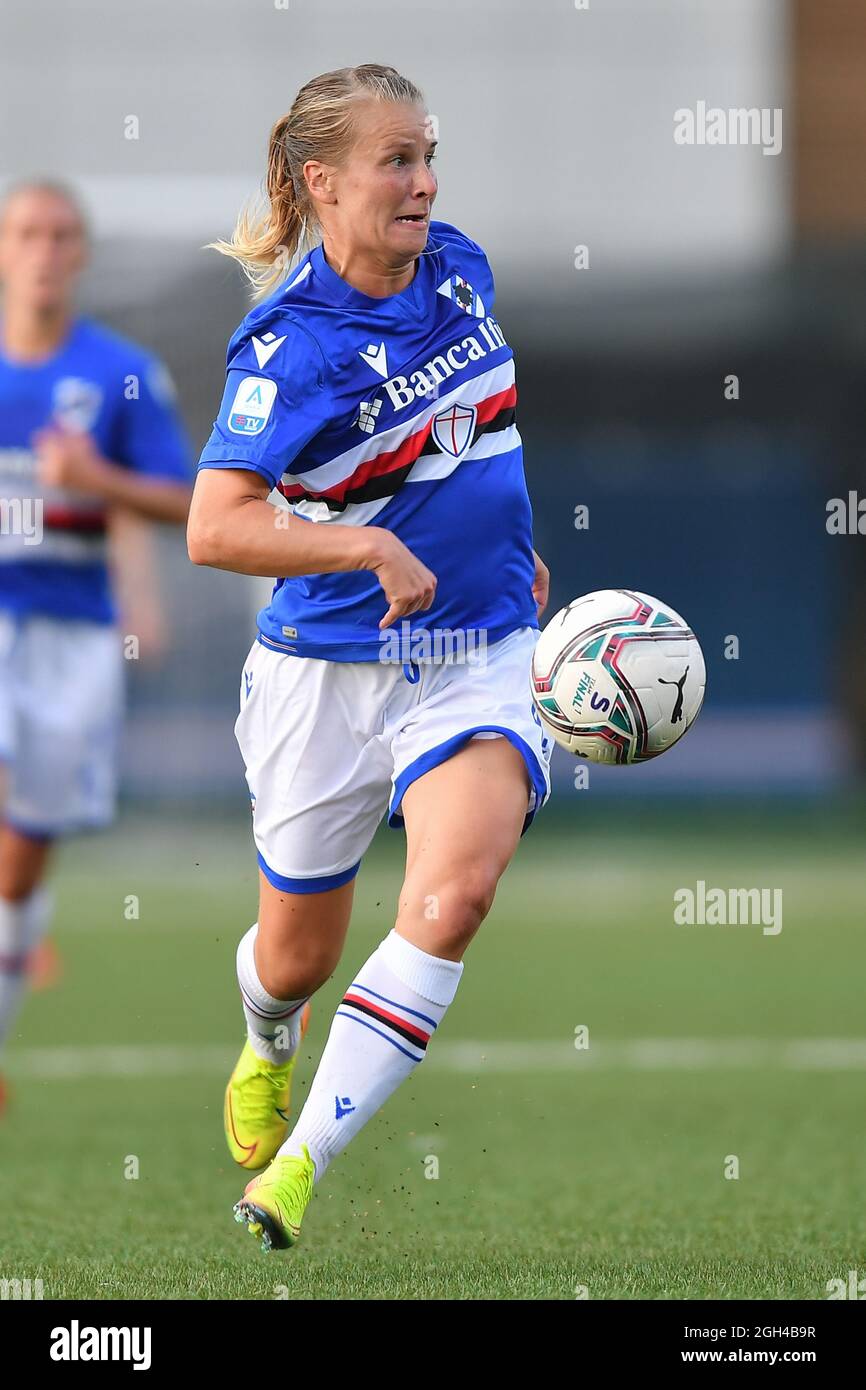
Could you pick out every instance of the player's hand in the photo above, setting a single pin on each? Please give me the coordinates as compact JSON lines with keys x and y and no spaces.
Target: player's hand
{"x":540,"y":584}
{"x":408,"y":585}
{"x":69,"y":459}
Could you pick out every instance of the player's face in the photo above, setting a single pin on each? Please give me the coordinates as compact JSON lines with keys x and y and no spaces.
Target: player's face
{"x":386,"y":188}
{"x":42,"y":249}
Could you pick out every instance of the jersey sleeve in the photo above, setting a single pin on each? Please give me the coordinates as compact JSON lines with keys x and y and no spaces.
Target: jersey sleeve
{"x":151,"y":438}
{"x":274,"y":401}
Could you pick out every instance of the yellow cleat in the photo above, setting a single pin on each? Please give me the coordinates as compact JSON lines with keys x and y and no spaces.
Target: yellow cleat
{"x":256,"y":1110}
{"x":274,"y":1203}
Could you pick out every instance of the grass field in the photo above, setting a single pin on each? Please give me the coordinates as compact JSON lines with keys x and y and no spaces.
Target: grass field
{"x":560,"y":1170}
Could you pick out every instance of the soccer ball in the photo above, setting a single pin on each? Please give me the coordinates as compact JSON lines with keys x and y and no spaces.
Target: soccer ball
{"x":617,"y":677}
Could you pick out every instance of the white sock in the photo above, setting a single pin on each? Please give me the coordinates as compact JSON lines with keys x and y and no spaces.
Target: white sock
{"x":273,"y":1025}
{"x":22,"y":924}
{"x":379,"y":1035}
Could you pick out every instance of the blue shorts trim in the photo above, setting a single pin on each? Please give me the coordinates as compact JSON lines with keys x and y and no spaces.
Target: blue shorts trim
{"x":47,"y":833}
{"x":308,"y":885}
{"x":41,"y":833}
{"x":443,"y":751}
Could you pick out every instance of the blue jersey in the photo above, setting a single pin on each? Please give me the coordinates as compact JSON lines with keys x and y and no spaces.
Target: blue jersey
{"x":53,"y":542}
{"x":396,"y":412}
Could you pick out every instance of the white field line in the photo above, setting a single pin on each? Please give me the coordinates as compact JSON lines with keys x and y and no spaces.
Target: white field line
{"x":469,"y":1058}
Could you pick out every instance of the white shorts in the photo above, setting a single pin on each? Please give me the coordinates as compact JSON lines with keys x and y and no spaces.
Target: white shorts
{"x":61,"y":705}
{"x":329,"y":746}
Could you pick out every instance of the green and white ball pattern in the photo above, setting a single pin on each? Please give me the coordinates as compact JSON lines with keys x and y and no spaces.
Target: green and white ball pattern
{"x":617,"y":676}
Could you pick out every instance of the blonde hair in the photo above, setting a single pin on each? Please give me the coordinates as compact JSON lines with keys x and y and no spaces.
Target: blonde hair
{"x":320,"y":125}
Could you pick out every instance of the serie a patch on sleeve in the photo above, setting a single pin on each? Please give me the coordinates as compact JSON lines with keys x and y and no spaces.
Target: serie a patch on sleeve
{"x":252,"y":405}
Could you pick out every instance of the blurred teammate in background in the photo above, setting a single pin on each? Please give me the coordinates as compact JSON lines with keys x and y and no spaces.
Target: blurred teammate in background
{"x":90,"y":444}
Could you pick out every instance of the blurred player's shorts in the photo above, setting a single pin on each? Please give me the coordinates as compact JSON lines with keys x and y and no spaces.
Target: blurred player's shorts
{"x":330,"y":746}
{"x":61,"y":705}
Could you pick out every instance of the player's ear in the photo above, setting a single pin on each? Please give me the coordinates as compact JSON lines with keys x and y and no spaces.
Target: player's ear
{"x":319,"y":178}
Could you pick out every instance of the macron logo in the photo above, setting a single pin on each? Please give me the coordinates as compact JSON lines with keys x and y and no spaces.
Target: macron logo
{"x":376,"y":358}
{"x":266,"y":346}
{"x":343,"y":1106}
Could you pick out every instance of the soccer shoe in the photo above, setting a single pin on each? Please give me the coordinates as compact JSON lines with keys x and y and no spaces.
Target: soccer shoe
{"x":274,"y":1203}
{"x":256,"y":1110}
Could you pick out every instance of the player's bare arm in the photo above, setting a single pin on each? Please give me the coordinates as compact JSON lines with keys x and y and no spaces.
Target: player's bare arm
{"x":70,"y":459}
{"x":233,"y":527}
{"x":135,"y":568}
{"x":541,"y":583}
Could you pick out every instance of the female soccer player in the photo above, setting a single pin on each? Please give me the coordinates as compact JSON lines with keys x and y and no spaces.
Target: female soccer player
{"x":375,"y":390}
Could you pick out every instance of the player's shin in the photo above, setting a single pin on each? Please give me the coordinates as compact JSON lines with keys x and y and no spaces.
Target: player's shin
{"x":273,"y":1025}
{"x":22,"y":925}
{"x":379,"y":1034}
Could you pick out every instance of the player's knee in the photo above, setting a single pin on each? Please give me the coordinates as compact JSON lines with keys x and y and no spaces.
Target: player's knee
{"x":22,"y":865}
{"x":15,"y":888}
{"x":453,"y":913}
{"x":14,"y":883}
{"x":477,"y":889}
{"x":295,"y":971}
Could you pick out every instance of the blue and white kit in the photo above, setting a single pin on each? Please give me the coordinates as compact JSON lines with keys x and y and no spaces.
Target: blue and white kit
{"x":400,"y":413}
{"x":60,"y":652}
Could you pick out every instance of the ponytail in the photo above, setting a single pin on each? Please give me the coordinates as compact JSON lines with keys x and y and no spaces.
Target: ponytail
{"x":281,"y":225}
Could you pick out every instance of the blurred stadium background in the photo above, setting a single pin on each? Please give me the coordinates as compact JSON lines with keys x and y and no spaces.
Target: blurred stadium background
{"x":702,"y":262}
{"x":556,"y":128}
